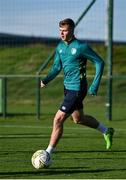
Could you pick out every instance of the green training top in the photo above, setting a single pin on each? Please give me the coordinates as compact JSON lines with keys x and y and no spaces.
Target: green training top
{"x":72,"y":58}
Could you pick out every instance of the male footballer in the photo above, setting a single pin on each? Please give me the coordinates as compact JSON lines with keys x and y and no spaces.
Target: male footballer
{"x":72,"y":56}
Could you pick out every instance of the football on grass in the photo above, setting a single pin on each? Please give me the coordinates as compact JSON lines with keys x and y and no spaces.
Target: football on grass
{"x":41,"y":159}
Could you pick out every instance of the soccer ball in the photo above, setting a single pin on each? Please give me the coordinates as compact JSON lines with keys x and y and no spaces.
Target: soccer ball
{"x":41,"y":159}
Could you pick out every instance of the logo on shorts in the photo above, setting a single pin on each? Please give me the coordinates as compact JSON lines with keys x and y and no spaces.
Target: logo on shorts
{"x":73,"y":51}
{"x":63,"y":108}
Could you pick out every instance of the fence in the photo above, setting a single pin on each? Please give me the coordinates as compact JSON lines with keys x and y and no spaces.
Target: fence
{"x":21,"y":97}
{"x":21,"y":54}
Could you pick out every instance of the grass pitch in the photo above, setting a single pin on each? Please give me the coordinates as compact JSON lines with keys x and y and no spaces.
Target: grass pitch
{"x":81,"y":152}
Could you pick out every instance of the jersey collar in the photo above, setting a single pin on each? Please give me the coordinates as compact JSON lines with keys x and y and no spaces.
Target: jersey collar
{"x":69,"y":42}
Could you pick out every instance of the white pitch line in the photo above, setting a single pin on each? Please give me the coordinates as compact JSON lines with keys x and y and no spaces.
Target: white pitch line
{"x":22,"y":135}
{"x":29,"y":135}
{"x":40,"y":127}
{"x":49,"y":127}
{"x":23,"y":126}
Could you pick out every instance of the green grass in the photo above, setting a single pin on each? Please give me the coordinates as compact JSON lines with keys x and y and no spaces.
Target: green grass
{"x":27,"y":59}
{"x":23,"y":60}
{"x":81,"y":152}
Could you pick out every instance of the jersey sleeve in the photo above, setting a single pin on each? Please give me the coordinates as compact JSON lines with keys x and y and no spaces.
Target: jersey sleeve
{"x":99,"y":66}
{"x":56,"y":68}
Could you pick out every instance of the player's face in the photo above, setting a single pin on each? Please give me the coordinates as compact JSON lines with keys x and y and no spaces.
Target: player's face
{"x":66,"y":33}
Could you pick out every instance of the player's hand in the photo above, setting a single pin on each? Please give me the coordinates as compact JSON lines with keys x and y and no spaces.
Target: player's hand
{"x":92,"y":92}
{"x":42,"y":84}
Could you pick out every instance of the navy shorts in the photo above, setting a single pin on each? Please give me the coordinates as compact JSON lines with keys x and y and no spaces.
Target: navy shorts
{"x":73,"y":100}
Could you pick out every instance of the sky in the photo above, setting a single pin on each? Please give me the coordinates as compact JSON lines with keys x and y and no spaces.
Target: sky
{"x":41,"y":17}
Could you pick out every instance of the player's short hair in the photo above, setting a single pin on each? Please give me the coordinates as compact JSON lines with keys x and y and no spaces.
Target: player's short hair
{"x":67,"y":21}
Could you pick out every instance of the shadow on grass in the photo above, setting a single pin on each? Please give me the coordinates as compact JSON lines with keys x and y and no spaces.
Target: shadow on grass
{"x":56,"y":171}
{"x":60,"y":152}
{"x":91,"y":151}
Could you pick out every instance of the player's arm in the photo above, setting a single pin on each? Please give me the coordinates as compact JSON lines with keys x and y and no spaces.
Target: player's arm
{"x":99,"y":66}
{"x":56,"y":68}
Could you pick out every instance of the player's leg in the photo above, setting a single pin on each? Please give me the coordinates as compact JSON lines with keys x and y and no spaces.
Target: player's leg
{"x":44,"y":158}
{"x":57,"y":130}
{"x":87,"y":120}
{"x":61,"y":115}
{"x":79,"y":118}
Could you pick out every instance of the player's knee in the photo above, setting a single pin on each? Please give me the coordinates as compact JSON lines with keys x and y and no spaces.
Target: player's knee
{"x":58,"y":120}
{"x":77,"y":120}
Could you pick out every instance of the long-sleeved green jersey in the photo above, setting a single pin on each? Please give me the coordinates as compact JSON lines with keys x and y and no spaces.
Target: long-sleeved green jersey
{"x":72,"y":58}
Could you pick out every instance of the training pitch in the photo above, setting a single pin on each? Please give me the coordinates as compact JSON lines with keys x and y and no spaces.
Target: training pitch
{"x":80,"y":154}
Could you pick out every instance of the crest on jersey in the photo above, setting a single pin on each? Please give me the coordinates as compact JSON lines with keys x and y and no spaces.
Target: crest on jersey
{"x":60,"y":51}
{"x":73,"y":51}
